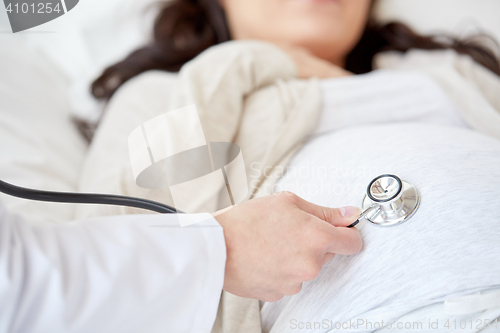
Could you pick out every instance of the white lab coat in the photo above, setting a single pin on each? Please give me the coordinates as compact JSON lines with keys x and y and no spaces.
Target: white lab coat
{"x":139,"y":273}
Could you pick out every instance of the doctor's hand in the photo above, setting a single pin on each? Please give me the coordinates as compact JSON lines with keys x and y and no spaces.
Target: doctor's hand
{"x":276,"y":243}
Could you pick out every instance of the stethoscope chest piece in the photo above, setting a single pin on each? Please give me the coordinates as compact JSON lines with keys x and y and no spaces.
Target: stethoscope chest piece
{"x":390,"y":201}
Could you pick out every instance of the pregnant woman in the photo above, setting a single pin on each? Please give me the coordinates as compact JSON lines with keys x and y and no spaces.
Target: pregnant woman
{"x":321,"y":99}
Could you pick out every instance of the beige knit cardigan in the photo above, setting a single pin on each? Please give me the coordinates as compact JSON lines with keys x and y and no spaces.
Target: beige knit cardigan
{"x":247,"y":92}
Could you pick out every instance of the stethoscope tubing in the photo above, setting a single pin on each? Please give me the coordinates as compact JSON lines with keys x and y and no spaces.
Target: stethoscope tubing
{"x":85,"y":198}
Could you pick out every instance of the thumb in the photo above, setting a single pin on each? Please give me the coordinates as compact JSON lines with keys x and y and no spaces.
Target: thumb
{"x":339,"y":217}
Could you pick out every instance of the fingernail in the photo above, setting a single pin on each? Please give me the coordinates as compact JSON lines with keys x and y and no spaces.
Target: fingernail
{"x":349,"y":211}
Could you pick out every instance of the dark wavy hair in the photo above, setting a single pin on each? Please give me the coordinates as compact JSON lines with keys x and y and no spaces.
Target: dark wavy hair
{"x":185,"y":28}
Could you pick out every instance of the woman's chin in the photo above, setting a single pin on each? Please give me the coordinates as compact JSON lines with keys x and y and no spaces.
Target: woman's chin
{"x":320,"y":2}
{"x":319,"y":6}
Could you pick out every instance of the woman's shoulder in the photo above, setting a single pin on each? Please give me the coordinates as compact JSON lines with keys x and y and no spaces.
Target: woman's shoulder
{"x":417,"y":58}
{"x":428,"y":59}
{"x":472,"y":87}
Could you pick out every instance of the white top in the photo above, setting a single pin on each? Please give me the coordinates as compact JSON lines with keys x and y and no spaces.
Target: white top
{"x":135,"y":273}
{"x":448,"y":247}
{"x":385,"y":96}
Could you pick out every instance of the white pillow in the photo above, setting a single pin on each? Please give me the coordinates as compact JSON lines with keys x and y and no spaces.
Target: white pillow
{"x":39,"y":145}
{"x":457,"y":16}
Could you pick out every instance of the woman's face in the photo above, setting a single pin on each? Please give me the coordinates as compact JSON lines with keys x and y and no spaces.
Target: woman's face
{"x":329,"y":29}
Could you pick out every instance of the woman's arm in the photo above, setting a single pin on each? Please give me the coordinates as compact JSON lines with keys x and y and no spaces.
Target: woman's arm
{"x":217,"y":81}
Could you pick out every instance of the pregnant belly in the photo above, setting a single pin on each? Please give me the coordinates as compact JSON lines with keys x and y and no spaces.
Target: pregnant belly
{"x":447,"y":248}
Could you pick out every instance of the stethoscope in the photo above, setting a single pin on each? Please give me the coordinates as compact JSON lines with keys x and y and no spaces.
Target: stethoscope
{"x":85,"y":198}
{"x":388,"y":201}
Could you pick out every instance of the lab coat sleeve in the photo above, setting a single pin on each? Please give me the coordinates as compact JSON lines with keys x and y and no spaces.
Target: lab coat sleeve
{"x":140,"y":273}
